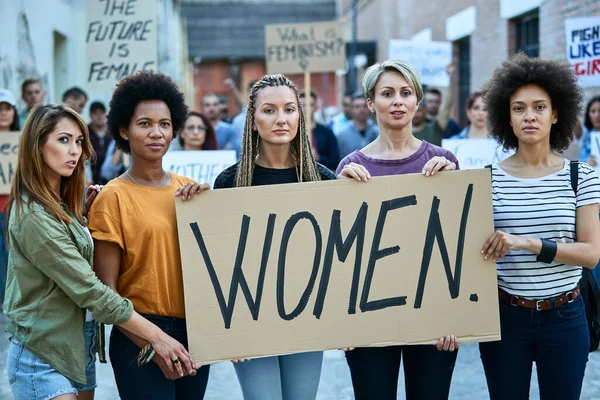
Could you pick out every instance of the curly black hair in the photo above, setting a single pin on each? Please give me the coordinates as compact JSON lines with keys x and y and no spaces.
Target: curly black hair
{"x":555,"y":77}
{"x":144,"y":85}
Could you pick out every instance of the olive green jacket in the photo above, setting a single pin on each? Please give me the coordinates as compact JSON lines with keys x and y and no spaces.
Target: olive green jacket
{"x":50,"y":283}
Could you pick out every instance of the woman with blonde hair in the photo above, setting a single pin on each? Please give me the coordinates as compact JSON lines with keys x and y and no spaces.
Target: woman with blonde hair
{"x":275,"y":150}
{"x":394,"y":94}
{"x":50,"y":279}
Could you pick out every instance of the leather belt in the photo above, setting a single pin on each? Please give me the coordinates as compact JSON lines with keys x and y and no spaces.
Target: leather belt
{"x":540,"y":305}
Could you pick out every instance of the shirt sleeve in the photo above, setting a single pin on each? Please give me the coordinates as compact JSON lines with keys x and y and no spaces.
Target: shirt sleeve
{"x":48,"y":246}
{"x":104,"y":220}
{"x":345,"y":161}
{"x":588,"y":187}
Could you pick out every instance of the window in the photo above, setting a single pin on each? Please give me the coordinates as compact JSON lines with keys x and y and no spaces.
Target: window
{"x":526,"y":30}
{"x":463,"y":47}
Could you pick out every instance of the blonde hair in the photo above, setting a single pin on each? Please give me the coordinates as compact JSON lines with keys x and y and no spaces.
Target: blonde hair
{"x":29,"y":174}
{"x":374,"y":72}
{"x":306,"y":166}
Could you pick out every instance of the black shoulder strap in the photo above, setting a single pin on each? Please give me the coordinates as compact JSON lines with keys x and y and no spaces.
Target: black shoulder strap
{"x":489,"y":166}
{"x":574,"y":176}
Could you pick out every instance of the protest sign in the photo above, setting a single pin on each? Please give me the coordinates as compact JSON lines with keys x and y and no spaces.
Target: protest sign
{"x":583,"y":49}
{"x":308,"y":47}
{"x":202,"y":166}
{"x":429,"y":59}
{"x":9,"y":150}
{"x":279,"y":269}
{"x":120,"y":40}
{"x":475,"y":153}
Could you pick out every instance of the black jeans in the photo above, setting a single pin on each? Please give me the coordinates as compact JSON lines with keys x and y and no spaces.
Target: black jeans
{"x":427,"y":372}
{"x":148,"y":381}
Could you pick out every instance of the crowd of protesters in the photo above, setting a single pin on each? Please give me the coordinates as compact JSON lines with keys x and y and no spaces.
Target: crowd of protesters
{"x":91,"y":234}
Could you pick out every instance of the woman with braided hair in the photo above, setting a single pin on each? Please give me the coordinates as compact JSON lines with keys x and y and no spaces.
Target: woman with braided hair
{"x":275,"y":150}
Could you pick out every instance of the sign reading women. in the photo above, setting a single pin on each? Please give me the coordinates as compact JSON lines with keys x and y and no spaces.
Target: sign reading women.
{"x":120,"y":40}
{"x":583,"y":49}
{"x":281,"y":269}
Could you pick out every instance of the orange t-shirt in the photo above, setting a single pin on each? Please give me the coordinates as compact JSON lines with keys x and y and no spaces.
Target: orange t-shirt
{"x":142,"y":221}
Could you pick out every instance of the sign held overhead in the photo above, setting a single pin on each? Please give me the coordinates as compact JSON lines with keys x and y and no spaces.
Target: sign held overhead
{"x":429,"y":59}
{"x":326,"y":265}
{"x":120,"y":40}
{"x":308,"y":47}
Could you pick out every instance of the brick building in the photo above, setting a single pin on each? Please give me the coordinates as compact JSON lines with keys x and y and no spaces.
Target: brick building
{"x":483,"y":32}
{"x":226,"y":39}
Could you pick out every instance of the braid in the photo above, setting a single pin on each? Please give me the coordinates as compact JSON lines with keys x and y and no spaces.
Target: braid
{"x":299,"y":147}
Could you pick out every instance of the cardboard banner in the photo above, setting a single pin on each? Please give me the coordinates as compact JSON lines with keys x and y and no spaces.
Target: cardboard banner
{"x":202,"y":166}
{"x":282,"y":269}
{"x":9,"y":150}
{"x":120,"y":40}
{"x":583,"y":49}
{"x":309,"y":47}
{"x":476,"y":153}
{"x":429,"y":59}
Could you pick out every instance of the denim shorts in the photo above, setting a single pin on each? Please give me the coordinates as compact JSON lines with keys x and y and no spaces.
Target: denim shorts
{"x":91,"y":346}
{"x":31,"y":378}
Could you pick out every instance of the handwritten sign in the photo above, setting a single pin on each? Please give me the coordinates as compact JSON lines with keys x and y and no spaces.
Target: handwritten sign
{"x":595,"y":149}
{"x":282,"y":269}
{"x":120,"y":40}
{"x":202,"y":166}
{"x":311,"y":47}
{"x":475,"y":153}
{"x":429,"y":59}
{"x":9,"y":150}
{"x":583,"y":49}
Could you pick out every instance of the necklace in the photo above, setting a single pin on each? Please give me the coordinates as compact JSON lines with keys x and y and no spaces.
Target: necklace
{"x":159,"y":185}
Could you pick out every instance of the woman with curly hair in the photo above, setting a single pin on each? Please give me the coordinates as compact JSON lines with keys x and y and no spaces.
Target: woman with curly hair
{"x":134,"y":227}
{"x":198,"y":133}
{"x":547,"y":230}
{"x":275,"y":150}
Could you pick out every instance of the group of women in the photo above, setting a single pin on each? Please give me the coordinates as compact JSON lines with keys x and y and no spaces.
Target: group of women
{"x":545,"y":234}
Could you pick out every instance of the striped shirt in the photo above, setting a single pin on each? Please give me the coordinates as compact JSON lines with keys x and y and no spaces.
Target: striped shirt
{"x":540,"y":208}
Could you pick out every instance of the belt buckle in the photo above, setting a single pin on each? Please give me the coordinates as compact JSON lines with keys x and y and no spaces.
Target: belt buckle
{"x":569,"y":300}
{"x":537,"y":305}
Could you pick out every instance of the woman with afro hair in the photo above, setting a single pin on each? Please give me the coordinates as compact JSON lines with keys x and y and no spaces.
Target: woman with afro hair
{"x":134,"y":227}
{"x":547,"y":230}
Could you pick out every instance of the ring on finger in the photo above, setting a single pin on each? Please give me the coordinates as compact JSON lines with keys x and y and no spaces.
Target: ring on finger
{"x":175,"y":361}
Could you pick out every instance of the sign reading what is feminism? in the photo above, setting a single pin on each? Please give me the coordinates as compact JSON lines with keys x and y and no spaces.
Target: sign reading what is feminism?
{"x":120,"y":40}
{"x":283,"y":269}
{"x":583,"y":49}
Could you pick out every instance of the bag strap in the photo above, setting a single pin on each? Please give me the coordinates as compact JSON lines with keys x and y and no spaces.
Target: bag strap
{"x":574,"y":176}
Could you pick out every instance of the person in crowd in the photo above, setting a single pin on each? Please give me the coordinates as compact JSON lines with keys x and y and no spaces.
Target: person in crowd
{"x":32,"y":93}
{"x":239,"y":120}
{"x":433,"y":102}
{"x":591,"y":125}
{"x":99,"y":138}
{"x":75,"y":98}
{"x":9,"y":121}
{"x":476,"y":119}
{"x":323,"y":142}
{"x":341,"y":120}
{"x":394,"y":93}
{"x":226,"y":136}
{"x":50,"y":278}
{"x":9,"y":117}
{"x":275,"y":150}
{"x":224,"y":110}
{"x":360,"y":131}
{"x":198,"y":133}
{"x":134,"y":228}
{"x":546,"y":231}
{"x":115,"y":162}
{"x":433,"y":130}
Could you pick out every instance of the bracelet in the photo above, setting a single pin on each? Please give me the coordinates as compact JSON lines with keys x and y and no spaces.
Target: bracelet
{"x":145,"y":355}
{"x":548,"y":251}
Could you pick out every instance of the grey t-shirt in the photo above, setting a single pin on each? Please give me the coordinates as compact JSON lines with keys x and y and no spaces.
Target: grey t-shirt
{"x":412,"y":164}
